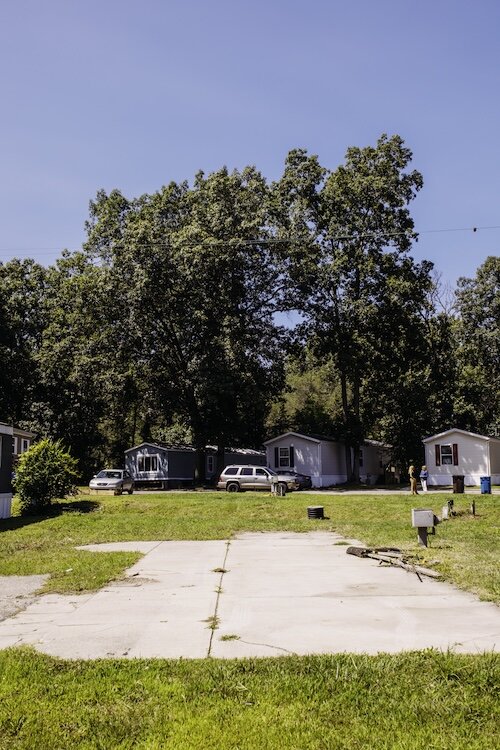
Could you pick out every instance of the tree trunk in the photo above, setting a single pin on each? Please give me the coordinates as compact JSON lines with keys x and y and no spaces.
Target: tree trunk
{"x":356,"y":445}
{"x":348,"y":461}
{"x":355,"y":464}
{"x":345,"y":409}
{"x":134,"y":422}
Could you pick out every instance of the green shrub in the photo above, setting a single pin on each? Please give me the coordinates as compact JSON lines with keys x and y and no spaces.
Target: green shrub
{"x":44,"y":472}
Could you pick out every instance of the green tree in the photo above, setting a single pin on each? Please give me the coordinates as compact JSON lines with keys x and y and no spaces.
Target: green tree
{"x":70,"y":359}
{"x":46,"y":471}
{"x":310,"y":401}
{"x":359,"y":291}
{"x":201,"y":287}
{"x":477,"y":402}
{"x":22,"y":321}
{"x":418,"y":396}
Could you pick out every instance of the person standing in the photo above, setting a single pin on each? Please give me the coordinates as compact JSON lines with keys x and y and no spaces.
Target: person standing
{"x":413,"y":480}
{"x":424,"y":474}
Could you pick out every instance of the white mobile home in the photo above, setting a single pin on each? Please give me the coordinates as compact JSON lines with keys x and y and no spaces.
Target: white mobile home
{"x":461,"y":453}
{"x":323,"y":458}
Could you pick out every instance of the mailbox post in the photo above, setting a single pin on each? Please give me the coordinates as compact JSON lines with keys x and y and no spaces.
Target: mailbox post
{"x":277,"y":487}
{"x":422,"y":519}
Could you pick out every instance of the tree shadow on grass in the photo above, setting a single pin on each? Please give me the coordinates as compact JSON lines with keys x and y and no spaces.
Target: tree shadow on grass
{"x":54,"y":510}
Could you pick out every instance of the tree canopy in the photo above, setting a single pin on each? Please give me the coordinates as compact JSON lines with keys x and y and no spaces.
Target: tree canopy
{"x":232,"y":308}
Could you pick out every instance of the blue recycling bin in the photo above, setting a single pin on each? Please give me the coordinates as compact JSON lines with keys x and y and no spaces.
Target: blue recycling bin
{"x":485,"y":485}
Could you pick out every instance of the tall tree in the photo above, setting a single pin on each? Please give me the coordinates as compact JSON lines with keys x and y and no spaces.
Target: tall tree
{"x":72,"y":359}
{"x":477,"y":404}
{"x":22,"y":290}
{"x":357,"y":288}
{"x":201,"y":289}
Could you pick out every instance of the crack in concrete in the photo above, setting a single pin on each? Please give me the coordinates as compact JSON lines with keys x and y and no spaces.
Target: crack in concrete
{"x":267,"y":645}
{"x":219,"y":592}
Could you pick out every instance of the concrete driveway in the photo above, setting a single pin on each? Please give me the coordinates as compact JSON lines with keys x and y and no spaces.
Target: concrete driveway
{"x":255,"y":595}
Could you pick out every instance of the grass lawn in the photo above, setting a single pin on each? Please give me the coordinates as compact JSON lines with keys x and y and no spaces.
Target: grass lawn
{"x":413,"y":701}
{"x":465,"y":549}
{"x":410,"y":701}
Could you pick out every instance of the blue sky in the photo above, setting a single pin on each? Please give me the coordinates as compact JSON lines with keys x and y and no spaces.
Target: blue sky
{"x":120,"y":94}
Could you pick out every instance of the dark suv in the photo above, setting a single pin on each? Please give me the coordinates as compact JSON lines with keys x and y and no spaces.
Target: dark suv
{"x":235,"y":478}
{"x":304,"y":481}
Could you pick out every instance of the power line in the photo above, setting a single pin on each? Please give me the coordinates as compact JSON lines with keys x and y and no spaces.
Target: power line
{"x":262,"y":241}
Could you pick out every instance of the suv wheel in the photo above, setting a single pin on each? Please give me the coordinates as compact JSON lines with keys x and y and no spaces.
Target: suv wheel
{"x":232,"y":487}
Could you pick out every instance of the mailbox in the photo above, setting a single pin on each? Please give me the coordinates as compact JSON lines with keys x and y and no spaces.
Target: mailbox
{"x":422,"y":518}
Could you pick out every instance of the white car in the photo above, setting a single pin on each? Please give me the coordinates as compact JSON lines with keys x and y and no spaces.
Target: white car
{"x":117,"y":480}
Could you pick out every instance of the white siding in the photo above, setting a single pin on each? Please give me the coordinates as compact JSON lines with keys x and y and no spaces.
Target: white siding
{"x":5,"y":504}
{"x":495,"y":458}
{"x":333,"y":464}
{"x":306,"y":456}
{"x":323,"y":461}
{"x":333,"y":458}
{"x":473,"y":459}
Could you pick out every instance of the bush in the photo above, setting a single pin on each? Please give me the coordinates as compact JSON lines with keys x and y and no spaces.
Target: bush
{"x":44,"y":472}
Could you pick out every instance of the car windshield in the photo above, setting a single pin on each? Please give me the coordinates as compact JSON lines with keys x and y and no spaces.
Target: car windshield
{"x":273,"y":473}
{"x":106,"y":474}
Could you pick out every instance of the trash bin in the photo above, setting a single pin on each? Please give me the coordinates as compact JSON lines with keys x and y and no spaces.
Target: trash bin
{"x":458,"y":484}
{"x":485,"y":485}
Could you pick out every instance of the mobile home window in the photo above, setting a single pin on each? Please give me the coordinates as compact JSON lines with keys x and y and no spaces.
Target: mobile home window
{"x":210,"y":464}
{"x":148,"y":463}
{"x":446,"y":455}
{"x":284,"y":457}
{"x":361,"y":459}
{"x":26,"y":444}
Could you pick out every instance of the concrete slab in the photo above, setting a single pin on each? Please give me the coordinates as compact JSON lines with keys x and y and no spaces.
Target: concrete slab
{"x":160,"y":610}
{"x":271,"y":593}
{"x":303,"y":594}
{"x":17,"y":592}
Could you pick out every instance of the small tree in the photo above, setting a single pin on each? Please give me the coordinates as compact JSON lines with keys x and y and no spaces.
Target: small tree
{"x":44,"y":472}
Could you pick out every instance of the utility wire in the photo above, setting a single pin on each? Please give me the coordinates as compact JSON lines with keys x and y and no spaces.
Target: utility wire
{"x":262,"y":241}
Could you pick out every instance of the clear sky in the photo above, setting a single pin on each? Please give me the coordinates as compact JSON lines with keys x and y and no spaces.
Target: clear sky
{"x":130,"y":95}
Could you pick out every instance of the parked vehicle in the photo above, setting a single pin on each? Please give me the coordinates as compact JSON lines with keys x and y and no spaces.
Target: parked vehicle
{"x":235,"y":478}
{"x":118,"y":480}
{"x":304,"y":481}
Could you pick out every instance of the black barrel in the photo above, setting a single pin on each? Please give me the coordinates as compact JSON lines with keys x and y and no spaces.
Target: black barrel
{"x":315,"y":511}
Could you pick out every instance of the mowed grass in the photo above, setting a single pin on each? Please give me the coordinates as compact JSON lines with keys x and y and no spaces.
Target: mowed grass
{"x":466,"y":549}
{"x":412,"y":701}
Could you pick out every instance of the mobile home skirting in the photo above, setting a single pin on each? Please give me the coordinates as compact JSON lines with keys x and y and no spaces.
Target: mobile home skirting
{"x":470,"y":480}
{"x":5,"y":505}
